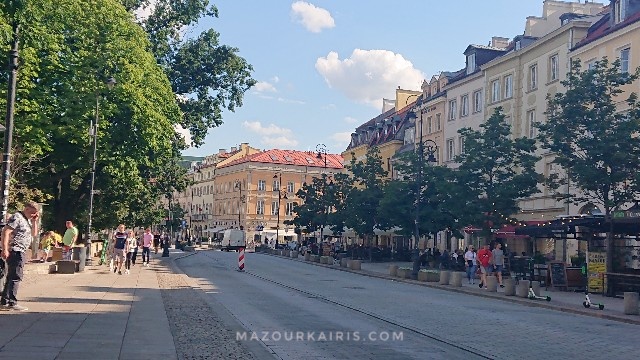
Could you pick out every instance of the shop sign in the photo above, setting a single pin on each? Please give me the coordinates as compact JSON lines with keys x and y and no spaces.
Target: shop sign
{"x":596,"y":267}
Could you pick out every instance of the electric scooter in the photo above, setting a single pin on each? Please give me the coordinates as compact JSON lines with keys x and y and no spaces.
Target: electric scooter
{"x":587,"y":302}
{"x":532,"y":295}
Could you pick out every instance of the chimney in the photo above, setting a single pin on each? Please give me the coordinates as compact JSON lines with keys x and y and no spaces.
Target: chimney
{"x":222,"y":151}
{"x":233,"y":148}
{"x":499,"y":42}
{"x":244,"y":145}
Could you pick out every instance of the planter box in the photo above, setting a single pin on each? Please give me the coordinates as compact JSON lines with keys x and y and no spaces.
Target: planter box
{"x":404,"y":273}
{"x":433,"y":277}
{"x":315,"y":258}
{"x":393,"y":270}
{"x":343,"y":262}
{"x":422,"y":275}
{"x":356,"y":264}
{"x":307,"y":257}
{"x":294,"y":254}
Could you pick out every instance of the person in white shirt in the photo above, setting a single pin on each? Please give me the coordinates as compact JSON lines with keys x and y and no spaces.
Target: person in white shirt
{"x":471,"y":264}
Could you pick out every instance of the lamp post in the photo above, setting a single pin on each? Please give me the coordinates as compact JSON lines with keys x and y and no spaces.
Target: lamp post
{"x":8,"y":126}
{"x":281,"y":195}
{"x":110,"y":82}
{"x":238,"y":185}
{"x":321,"y":149}
{"x":431,"y":148}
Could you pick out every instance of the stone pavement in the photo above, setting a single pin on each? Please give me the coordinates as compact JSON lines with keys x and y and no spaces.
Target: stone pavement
{"x":565,"y":301}
{"x":97,"y":314}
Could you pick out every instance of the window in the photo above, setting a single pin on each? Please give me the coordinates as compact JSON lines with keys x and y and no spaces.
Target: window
{"x":276,"y":185}
{"x":289,"y":208}
{"x":438,"y":123}
{"x":624,"y":60}
{"x":453,"y":108}
{"x":477,"y":101}
{"x":553,"y":66}
{"x":495,"y":91}
{"x":533,"y":77}
{"x":464,"y":105}
{"x":508,"y":86}
{"x":409,"y":134}
{"x":518,"y":45}
{"x":429,"y":125}
{"x":471,"y":63}
{"x":290,"y":187}
{"x":260,"y":207}
{"x":262,"y":185}
{"x":531,"y":123}
{"x":450,"y":150}
{"x":591,"y":64}
{"x":461,"y":145}
{"x":275,"y":208}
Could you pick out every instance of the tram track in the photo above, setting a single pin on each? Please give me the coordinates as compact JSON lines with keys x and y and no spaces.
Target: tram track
{"x":319,"y":297}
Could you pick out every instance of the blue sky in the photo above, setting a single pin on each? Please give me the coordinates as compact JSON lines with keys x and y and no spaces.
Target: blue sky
{"x":323,"y":66}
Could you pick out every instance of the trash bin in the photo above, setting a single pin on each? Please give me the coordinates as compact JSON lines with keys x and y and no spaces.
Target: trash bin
{"x":79,"y":254}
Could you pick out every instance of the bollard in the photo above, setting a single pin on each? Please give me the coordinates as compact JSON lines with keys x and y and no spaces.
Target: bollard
{"x":241,"y":259}
{"x":522,"y":290}
{"x":631,"y":303}
{"x":492,"y":283}
{"x":356,"y":264}
{"x":509,"y":286}
{"x":535,"y":285}
{"x":343,"y":262}
{"x":393,"y":270}
{"x":456,"y":278}
{"x":444,"y":277}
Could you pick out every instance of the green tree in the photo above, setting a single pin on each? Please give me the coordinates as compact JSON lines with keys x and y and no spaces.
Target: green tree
{"x":360,"y":209}
{"x":495,"y":172}
{"x":68,"y":49}
{"x":207,"y":76}
{"x":595,"y":142}
{"x":438,"y":197}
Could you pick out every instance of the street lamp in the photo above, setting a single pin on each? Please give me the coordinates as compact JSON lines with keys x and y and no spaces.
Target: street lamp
{"x":238,"y":185}
{"x":431,"y":148}
{"x":281,"y":195}
{"x":326,"y":206}
{"x":320,"y":150}
{"x":110,"y":82}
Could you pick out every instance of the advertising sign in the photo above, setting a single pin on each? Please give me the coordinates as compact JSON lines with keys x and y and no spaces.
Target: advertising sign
{"x":596,"y":267}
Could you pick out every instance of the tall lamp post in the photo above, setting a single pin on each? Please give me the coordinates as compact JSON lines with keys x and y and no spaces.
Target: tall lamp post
{"x":110,"y":82}
{"x":431,"y":148}
{"x":238,"y":185}
{"x":321,"y":150}
{"x":281,"y":195}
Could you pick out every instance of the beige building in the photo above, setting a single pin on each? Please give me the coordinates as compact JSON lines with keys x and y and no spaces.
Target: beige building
{"x":258,"y":192}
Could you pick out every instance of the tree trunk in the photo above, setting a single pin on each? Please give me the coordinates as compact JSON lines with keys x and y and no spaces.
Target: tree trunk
{"x":610,"y":252}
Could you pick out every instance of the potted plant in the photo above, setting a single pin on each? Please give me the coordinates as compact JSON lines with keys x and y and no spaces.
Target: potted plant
{"x":404,"y":272}
{"x":429,"y":275}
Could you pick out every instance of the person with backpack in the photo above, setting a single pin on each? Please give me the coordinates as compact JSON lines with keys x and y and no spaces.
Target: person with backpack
{"x":485,"y":259}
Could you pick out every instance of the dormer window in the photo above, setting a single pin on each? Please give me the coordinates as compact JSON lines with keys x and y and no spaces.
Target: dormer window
{"x":518,"y":45}
{"x":471,"y":63}
{"x":619,"y":11}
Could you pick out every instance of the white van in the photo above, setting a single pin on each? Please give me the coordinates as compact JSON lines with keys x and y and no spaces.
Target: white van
{"x":233,"y":239}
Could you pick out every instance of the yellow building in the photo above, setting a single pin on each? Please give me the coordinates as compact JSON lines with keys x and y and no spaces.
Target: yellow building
{"x":258,"y":192}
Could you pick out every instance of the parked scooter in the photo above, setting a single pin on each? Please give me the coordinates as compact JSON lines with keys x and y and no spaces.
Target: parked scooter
{"x":532,"y":295}
{"x":587,"y":302}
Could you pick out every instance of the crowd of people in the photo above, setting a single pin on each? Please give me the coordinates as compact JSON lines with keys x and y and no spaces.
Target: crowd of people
{"x":123,"y":250}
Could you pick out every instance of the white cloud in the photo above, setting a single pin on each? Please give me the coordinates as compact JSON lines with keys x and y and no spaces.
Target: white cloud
{"x":291,"y":101}
{"x":369,"y":75}
{"x":185,"y":133}
{"x":143,"y":13}
{"x":272,"y":135}
{"x":275,"y":79}
{"x":263,"y":86}
{"x":313,"y":18}
{"x":342,"y":138}
{"x":350,"y":120}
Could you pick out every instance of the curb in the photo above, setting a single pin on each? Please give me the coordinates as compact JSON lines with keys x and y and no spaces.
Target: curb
{"x":514,"y":300}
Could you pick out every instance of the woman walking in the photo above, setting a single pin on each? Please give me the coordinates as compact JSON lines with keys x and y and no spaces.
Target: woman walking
{"x":132,"y":245}
{"x":471,"y":263}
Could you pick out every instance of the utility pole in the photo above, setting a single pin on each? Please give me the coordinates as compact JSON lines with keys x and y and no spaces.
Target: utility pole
{"x":8,"y":131}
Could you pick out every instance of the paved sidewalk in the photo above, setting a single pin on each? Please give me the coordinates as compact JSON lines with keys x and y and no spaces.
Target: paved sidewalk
{"x":94,"y":314}
{"x":560,"y":300}
{"x":156,"y":312}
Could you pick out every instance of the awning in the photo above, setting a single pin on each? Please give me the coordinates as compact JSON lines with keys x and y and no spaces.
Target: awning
{"x":471,"y":229}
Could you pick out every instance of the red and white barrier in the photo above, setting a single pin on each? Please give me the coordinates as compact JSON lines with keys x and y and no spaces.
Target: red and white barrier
{"x":241,"y":259}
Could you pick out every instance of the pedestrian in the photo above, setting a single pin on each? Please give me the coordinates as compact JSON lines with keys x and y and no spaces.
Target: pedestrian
{"x":135,"y":250}
{"x":147,"y":239}
{"x":156,"y":243}
{"x":119,"y":248}
{"x":471,"y":263}
{"x":16,"y":239}
{"x":132,"y":244}
{"x":69,"y":240}
{"x":48,"y":241}
{"x":498,"y":262}
{"x":484,"y":257}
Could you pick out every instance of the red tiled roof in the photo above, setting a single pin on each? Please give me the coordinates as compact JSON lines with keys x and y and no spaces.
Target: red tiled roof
{"x":291,"y":157}
{"x":603,"y":27}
